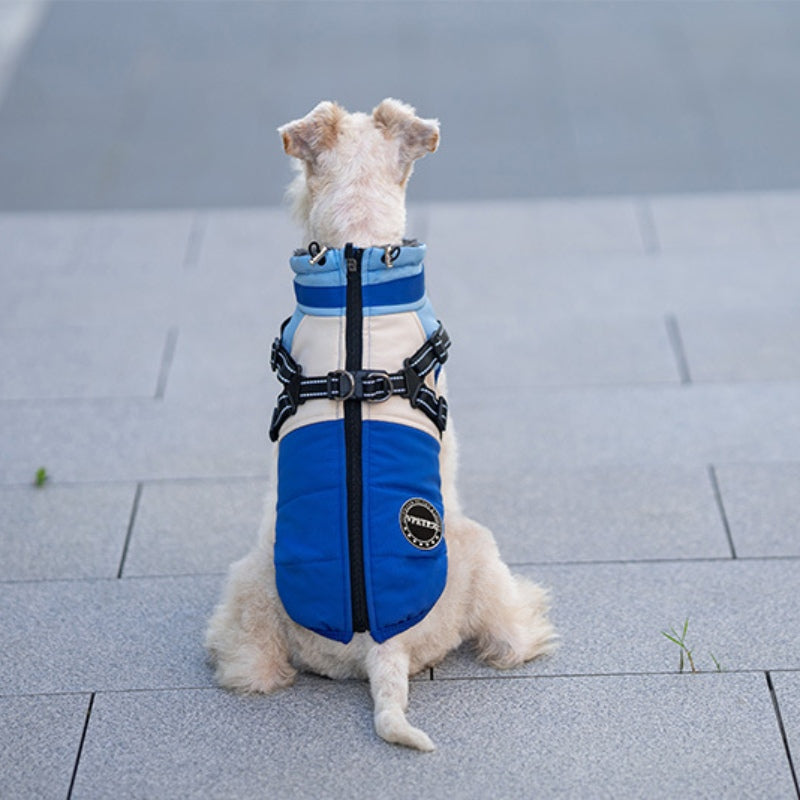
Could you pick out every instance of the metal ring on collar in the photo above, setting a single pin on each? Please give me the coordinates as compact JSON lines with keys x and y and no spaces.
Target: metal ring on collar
{"x":390,"y":254}
{"x":317,"y":254}
{"x":351,"y":384}
{"x":387,"y":388}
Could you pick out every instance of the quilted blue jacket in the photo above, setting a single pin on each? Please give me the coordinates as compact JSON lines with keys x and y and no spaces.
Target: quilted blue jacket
{"x":360,"y":525}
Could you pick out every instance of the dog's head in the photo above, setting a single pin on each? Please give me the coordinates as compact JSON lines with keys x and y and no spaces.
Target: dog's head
{"x":354,"y":169}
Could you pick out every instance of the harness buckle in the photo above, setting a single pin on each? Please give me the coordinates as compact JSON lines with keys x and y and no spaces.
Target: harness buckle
{"x":273,"y":355}
{"x":440,"y":342}
{"x":413,"y":382}
{"x":341,"y":385}
{"x":441,"y":415}
{"x":385,"y":388}
{"x":292,"y":390}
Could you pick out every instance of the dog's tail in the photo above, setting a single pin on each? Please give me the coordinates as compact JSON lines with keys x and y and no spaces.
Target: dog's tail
{"x":387,"y":667}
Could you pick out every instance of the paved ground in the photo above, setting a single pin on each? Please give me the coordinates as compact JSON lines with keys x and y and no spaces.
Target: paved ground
{"x":644,"y":462}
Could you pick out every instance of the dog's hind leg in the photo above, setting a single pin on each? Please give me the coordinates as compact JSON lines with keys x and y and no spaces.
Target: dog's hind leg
{"x":245,"y":637}
{"x":387,"y":668}
{"x":509,"y":612}
{"x":515,"y":627}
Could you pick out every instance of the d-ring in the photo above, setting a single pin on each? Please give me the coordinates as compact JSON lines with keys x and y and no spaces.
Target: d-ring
{"x":351,"y":384}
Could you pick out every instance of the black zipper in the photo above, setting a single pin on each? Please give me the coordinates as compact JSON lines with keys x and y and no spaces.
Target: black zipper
{"x":352,"y":437}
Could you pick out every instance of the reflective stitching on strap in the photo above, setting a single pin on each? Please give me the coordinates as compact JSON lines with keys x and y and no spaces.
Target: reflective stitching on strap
{"x":432,"y":353}
{"x":367,"y":385}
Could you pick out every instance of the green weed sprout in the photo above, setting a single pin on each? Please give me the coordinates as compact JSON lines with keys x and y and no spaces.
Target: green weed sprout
{"x":685,"y":654}
{"x":41,"y":478}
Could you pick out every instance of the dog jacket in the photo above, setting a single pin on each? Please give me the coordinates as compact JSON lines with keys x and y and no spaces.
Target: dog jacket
{"x":359,"y":542}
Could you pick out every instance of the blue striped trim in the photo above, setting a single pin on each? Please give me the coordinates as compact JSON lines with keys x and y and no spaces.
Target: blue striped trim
{"x":389,"y":293}
{"x":370,"y":311}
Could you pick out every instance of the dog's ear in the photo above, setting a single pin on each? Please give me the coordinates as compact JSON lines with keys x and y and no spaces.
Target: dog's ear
{"x":399,"y":121}
{"x":306,"y":138}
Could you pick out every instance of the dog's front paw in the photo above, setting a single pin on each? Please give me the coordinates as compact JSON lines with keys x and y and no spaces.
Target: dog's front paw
{"x":392,"y":726}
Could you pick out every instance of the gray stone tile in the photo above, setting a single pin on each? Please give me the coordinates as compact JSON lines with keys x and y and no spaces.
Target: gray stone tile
{"x":533,"y":227}
{"x":97,"y":241}
{"x":63,"y":531}
{"x":215,"y":306}
{"x":41,"y":242}
{"x":521,"y":351}
{"x":92,"y":269}
{"x":654,"y":736}
{"x":613,"y":513}
{"x":79,"y":362}
{"x":145,"y":296}
{"x":74,"y":636}
{"x":787,"y":691}
{"x":469,"y":284}
{"x":610,"y":618}
{"x":474,"y":288}
{"x":238,"y":280}
{"x":246,"y":241}
{"x":120,"y":241}
{"x":762,"y":504}
{"x":224,"y":359}
{"x":201,"y":526}
{"x":742,"y":346}
{"x":707,"y":221}
{"x":39,"y":745}
{"x":752,"y":278}
{"x":781,"y":213}
{"x":135,"y":439}
{"x":699,"y":424}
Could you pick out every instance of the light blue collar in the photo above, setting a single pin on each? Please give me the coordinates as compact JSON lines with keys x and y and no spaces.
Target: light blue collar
{"x":408,"y":255}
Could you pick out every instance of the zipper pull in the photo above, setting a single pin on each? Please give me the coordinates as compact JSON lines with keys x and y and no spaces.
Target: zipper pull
{"x":350,"y":258}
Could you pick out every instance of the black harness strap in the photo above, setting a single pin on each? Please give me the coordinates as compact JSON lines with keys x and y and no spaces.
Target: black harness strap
{"x":370,"y":386}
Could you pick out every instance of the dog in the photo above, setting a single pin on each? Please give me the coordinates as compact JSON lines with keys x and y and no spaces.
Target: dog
{"x":349,"y":196}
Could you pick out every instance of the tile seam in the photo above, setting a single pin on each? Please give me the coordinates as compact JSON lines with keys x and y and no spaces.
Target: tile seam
{"x":129,"y":533}
{"x":643,"y":674}
{"x":93,"y":482}
{"x":513,"y":564}
{"x":712,"y":474}
{"x":646,"y":561}
{"x":167,"y":357}
{"x":647,"y":226}
{"x":500,"y":676}
{"x":80,"y":746}
{"x":678,"y":349}
{"x":782,"y":729}
{"x":194,"y":242}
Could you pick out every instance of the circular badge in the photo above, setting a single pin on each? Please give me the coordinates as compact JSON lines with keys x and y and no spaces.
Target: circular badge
{"x":421,"y":523}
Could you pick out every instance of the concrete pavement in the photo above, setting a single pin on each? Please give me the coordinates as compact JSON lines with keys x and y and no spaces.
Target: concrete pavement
{"x":642,"y":464}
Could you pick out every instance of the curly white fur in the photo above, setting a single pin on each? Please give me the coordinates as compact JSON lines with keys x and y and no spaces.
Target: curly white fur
{"x":351,"y":188}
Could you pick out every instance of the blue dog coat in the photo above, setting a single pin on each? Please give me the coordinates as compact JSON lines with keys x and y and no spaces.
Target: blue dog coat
{"x":359,"y":531}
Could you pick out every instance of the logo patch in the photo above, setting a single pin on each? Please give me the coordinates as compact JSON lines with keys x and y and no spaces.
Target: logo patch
{"x":421,"y":523}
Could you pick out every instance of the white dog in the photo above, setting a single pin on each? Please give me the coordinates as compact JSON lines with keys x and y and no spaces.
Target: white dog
{"x":350,"y":190}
